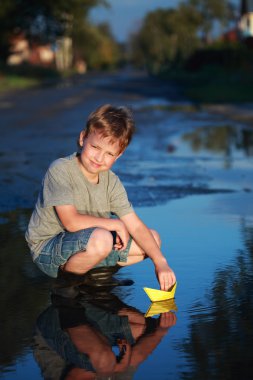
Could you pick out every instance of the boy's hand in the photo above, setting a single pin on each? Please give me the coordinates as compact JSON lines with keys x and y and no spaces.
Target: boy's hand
{"x":165,"y":275}
{"x":167,"y":320}
{"x":122,"y":236}
{"x":118,"y":244}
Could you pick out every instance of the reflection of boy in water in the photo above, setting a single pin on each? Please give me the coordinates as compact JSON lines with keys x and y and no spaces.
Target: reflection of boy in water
{"x":84,"y":336}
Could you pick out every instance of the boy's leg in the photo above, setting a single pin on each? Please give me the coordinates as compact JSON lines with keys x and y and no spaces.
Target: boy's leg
{"x":136,"y":254}
{"x":84,"y":250}
{"x":98,"y":248}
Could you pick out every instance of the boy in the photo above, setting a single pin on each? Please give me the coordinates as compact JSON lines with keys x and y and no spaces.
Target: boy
{"x":71,"y":227}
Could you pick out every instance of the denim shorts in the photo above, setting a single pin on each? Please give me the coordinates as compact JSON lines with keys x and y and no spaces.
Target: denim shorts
{"x":61,"y":247}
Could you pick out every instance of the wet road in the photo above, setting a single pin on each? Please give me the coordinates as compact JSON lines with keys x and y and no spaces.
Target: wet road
{"x":40,"y":125}
{"x":188,"y":172}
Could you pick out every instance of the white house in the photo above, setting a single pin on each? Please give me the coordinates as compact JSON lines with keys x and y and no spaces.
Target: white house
{"x":246,"y":19}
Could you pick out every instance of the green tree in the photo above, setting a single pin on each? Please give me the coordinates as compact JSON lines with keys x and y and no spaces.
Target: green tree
{"x":221,"y":12}
{"x":167,"y":37}
{"x":96,"y":46}
{"x":44,"y":19}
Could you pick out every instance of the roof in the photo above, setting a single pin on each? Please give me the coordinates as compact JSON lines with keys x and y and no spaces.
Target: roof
{"x":246,"y":6}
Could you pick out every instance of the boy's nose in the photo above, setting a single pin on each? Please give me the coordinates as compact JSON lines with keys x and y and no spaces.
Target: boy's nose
{"x":99,"y":157}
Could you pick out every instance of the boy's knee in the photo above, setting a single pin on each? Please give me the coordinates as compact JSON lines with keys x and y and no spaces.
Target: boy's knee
{"x":101,"y":242}
{"x":104,"y":360}
{"x":156,"y":237}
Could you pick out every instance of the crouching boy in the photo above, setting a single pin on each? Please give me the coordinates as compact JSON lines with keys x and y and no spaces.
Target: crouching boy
{"x":71,"y":227}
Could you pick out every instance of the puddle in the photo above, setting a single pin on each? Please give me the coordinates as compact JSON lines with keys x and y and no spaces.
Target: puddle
{"x":190,"y":177}
{"x":173,"y":107}
{"x":209,"y":247}
{"x":225,"y":153}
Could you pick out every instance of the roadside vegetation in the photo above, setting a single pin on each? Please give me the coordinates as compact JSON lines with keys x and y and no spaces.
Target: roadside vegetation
{"x":25,"y":76}
{"x":45,"y":24}
{"x":198,"y":45}
{"x":221,"y":73}
{"x":213,"y":84}
{"x":183,"y":45}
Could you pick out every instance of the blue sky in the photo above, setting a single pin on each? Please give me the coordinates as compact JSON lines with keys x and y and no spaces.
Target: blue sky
{"x":125,"y":16}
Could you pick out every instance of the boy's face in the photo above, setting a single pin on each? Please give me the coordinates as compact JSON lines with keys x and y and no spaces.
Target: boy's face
{"x":98,"y":154}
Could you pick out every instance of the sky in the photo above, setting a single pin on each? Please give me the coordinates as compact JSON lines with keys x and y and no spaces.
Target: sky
{"x":125,"y":16}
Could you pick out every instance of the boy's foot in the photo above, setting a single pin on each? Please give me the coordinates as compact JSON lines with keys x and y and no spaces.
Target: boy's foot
{"x":110,"y":283}
{"x":66,"y":292}
{"x":66,"y":285}
{"x":103,"y":278}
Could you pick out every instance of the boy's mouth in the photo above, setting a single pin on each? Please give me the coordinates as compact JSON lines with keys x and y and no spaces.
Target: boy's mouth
{"x":95,"y":164}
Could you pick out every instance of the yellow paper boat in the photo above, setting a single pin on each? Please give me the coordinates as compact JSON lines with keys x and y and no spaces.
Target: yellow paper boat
{"x":161,"y":307}
{"x":160,"y":295}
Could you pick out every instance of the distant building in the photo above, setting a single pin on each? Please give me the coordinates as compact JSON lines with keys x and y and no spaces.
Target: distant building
{"x":36,"y":53}
{"x":231,"y":35}
{"x":243,"y":31}
{"x":21,"y":51}
{"x":246,"y":19}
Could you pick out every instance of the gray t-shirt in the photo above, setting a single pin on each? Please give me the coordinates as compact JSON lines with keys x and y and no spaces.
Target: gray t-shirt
{"x":65,"y":184}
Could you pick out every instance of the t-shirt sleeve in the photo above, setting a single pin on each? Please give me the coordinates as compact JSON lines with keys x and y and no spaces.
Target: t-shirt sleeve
{"x":119,"y":202}
{"x":56,"y":188}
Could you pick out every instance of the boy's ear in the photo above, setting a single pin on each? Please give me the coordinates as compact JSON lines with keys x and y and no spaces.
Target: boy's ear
{"x":81,"y":138}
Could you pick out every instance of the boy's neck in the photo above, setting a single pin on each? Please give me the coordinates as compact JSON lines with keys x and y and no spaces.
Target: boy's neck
{"x":92,"y":178}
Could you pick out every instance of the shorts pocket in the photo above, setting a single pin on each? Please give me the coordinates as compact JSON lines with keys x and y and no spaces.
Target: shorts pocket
{"x":45,"y":258}
{"x":45,"y":263}
{"x":65,"y":249}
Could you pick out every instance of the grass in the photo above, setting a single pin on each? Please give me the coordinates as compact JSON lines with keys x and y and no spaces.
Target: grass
{"x":215,"y":84}
{"x":171,"y":107}
{"x":211,"y":84}
{"x":25,"y":76}
{"x":14,"y":82}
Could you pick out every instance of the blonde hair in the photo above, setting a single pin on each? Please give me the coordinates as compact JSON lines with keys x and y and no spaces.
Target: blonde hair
{"x":114,"y":122}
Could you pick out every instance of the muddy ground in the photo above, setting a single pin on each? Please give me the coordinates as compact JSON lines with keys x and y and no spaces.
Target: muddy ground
{"x":41,"y":124}
{"x":188,"y":172}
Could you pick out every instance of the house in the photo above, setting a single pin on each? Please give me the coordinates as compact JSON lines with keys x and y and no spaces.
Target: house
{"x":19,"y":50}
{"x":243,"y":31}
{"x":23,"y":51}
{"x":35,"y":53}
{"x":246,"y":19}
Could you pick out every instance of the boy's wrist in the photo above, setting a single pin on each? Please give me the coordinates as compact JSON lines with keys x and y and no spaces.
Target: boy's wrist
{"x":161,"y":260}
{"x":113,"y":224}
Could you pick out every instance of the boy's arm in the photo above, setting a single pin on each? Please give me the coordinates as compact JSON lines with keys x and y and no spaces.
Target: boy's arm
{"x":73,"y":221}
{"x":144,"y":238}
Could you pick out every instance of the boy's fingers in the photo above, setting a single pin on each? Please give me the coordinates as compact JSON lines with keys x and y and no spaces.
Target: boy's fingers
{"x":166,"y":282}
{"x":167,"y":320}
{"x":117,"y":246}
{"x":123,"y":242}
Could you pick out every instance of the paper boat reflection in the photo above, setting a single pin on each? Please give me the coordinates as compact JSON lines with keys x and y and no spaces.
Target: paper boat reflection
{"x":160,"y":295}
{"x":161,"y":307}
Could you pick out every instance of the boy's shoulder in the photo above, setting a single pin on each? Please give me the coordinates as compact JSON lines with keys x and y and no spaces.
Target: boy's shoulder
{"x":111,"y":175}
{"x":113,"y":180}
{"x":61,"y":163}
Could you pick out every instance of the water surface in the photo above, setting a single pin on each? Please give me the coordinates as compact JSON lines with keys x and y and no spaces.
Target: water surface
{"x":209,"y":247}
{"x":189,"y":175}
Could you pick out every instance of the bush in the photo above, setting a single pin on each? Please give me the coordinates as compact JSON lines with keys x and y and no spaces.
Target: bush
{"x":30,"y":71}
{"x":233,"y":56}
